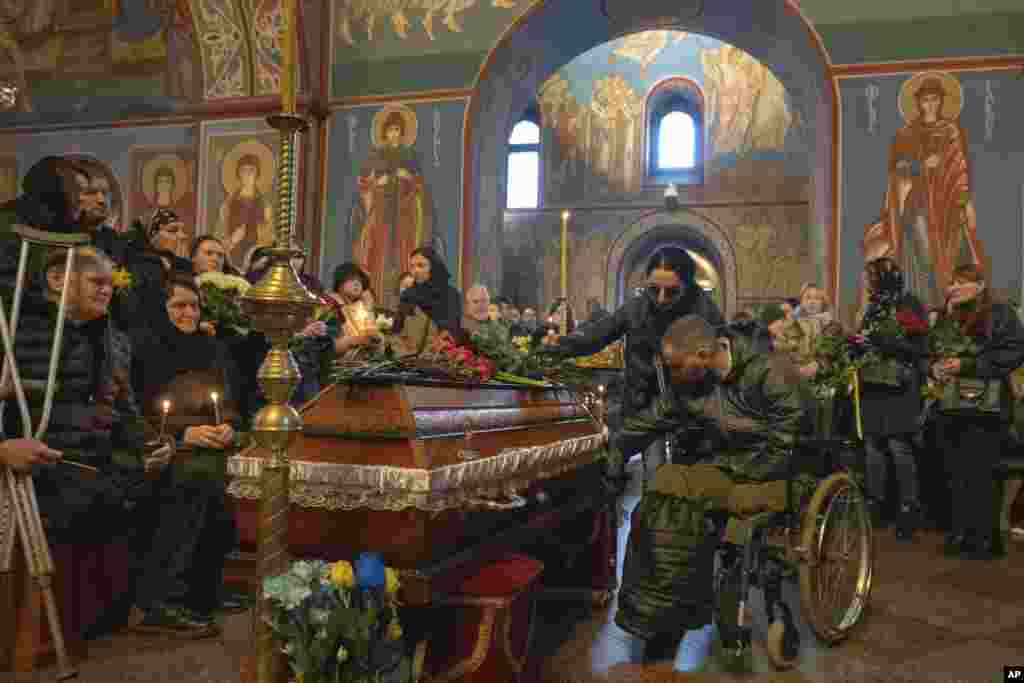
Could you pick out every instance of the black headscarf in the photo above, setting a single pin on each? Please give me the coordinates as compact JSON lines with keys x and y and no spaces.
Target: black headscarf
{"x":439,"y":300}
{"x":48,"y":195}
{"x":163,"y":351}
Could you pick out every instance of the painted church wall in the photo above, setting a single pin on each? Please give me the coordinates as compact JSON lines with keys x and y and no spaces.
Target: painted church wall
{"x":362,"y":173}
{"x":756,"y":185}
{"x":967,"y":199}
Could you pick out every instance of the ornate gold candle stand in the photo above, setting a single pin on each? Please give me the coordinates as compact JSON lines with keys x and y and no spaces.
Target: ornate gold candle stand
{"x":278,"y":306}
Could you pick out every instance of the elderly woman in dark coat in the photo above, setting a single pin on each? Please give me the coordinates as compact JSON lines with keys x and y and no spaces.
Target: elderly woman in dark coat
{"x":891,"y":401}
{"x":173,"y":361}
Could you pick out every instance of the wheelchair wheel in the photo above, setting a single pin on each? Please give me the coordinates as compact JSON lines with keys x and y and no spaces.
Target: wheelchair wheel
{"x":838,"y":558}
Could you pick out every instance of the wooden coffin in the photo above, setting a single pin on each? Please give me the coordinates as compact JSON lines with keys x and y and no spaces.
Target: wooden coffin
{"x":389,"y":468}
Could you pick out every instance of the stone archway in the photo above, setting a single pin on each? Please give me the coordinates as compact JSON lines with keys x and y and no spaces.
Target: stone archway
{"x":683,"y":226}
{"x":773,"y":31}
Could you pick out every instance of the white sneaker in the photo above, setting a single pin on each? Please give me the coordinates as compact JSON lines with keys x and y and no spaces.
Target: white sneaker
{"x":695,"y":648}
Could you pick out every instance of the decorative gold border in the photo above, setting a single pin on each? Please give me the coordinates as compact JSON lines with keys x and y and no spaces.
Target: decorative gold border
{"x":480,"y":649}
{"x":866,"y":69}
{"x":416,"y":96}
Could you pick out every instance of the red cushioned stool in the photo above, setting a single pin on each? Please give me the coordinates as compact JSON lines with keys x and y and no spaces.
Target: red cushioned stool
{"x":489,"y":623}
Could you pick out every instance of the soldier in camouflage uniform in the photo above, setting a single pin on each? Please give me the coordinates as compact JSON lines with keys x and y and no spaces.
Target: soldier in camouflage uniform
{"x":754,"y":411}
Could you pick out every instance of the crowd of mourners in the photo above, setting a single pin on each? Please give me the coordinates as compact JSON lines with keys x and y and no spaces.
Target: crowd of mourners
{"x":141,"y":370}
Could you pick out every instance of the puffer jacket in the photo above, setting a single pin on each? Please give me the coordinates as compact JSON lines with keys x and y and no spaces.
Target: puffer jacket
{"x":83,"y":423}
{"x":643,"y":326}
{"x":755,"y":415}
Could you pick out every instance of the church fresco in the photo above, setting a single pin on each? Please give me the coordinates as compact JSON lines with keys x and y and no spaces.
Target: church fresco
{"x":394,"y":213}
{"x":163,"y":177}
{"x":237,"y":203}
{"x":375,"y":21}
{"x":148,"y":46}
{"x":593,"y":110}
{"x":928,"y":221}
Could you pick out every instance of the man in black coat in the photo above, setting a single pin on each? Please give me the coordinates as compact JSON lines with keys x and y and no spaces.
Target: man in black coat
{"x":671,"y":292}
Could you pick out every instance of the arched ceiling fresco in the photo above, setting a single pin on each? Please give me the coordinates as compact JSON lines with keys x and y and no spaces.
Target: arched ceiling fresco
{"x":102,"y":59}
{"x":93,"y":58}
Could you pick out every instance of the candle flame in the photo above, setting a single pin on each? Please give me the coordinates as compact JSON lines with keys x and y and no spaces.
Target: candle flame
{"x":565,"y":215}
{"x":214,"y":396}
{"x":167,"y":406}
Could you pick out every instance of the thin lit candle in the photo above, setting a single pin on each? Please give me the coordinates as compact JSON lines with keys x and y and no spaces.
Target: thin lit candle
{"x":215,"y":397}
{"x":289,"y":56}
{"x":163,"y":419}
{"x":565,"y":253}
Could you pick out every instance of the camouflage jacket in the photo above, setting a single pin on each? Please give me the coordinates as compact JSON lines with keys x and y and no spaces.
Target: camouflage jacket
{"x":755,"y":414}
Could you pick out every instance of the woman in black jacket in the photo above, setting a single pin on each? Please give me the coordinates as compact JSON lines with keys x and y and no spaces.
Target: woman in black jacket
{"x":671,"y":292}
{"x":432,"y":294}
{"x":173,"y":361}
{"x":891,"y":400}
{"x":975,"y":431}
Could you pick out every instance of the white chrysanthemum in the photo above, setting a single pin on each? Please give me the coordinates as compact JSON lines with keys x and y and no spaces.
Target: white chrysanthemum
{"x":224,"y":281}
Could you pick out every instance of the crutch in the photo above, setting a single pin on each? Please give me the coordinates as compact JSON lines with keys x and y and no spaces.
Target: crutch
{"x":18,"y":495}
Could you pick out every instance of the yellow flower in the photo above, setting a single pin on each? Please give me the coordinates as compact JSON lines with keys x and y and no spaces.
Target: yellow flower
{"x":342,"y":575}
{"x":391,"y":582}
{"x":122,"y":278}
{"x":394,"y":630}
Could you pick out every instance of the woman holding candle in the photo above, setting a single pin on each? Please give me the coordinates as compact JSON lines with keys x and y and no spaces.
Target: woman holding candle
{"x":186,"y":383}
{"x":171,"y":350}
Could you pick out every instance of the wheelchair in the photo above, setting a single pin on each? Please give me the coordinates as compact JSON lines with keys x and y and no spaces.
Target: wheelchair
{"x":822,"y":541}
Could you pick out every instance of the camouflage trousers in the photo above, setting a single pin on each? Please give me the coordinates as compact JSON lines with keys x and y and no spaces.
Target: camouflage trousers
{"x":668,"y":570}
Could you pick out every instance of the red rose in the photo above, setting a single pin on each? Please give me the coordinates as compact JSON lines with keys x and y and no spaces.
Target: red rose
{"x":911,"y":323}
{"x":462,"y":355}
{"x":484,"y":368}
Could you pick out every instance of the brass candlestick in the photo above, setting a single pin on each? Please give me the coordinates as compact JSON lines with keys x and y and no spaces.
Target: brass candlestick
{"x":278,"y":306}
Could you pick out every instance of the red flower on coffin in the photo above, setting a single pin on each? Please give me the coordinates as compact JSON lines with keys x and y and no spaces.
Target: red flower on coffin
{"x":911,"y":323}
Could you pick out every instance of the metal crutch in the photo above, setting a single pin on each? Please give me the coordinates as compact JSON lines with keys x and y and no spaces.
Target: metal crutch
{"x":17,"y":496}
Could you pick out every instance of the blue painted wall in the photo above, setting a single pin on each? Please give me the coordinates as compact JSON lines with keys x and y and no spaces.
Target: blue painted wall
{"x":995,"y":164}
{"x":441,"y":165}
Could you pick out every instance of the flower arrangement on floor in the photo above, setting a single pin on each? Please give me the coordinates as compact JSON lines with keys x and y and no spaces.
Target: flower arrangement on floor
{"x":221,"y":301}
{"x":338,"y":623}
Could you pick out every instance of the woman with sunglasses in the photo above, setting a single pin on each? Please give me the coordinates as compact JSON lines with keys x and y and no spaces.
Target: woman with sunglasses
{"x":670,"y":293}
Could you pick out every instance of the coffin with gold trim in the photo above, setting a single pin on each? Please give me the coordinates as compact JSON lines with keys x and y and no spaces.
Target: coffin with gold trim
{"x":427,"y":471}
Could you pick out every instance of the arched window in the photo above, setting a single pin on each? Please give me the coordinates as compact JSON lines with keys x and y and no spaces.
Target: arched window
{"x":675,"y":133}
{"x":523,"y":191}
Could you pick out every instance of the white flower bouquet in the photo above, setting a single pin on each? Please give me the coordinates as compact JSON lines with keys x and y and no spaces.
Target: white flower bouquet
{"x":221,"y":301}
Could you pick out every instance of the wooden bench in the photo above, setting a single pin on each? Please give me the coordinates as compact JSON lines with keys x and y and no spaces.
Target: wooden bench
{"x":86,"y":581}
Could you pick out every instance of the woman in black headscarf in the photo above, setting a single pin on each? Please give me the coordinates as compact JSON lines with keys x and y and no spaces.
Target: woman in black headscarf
{"x":173,"y":361}
{"x":432,"y":296}
{"x":149,"y":259}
